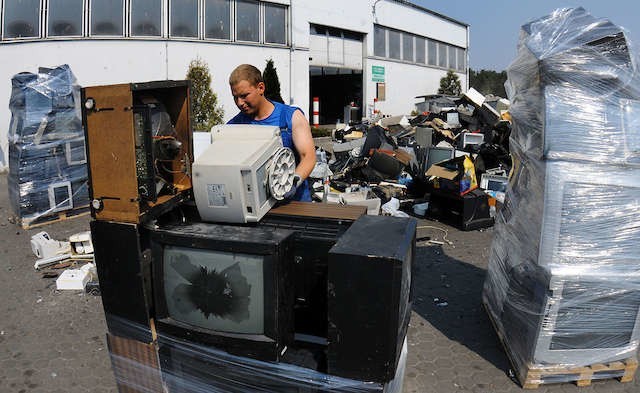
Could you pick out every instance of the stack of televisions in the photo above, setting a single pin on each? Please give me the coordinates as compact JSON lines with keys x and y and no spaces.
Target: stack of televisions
{"x":47,"y":171}
{"x":563,"y":284}
{"x":311,"y":298}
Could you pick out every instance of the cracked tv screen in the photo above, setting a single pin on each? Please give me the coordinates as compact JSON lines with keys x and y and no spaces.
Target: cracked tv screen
{"x":215,"y":290}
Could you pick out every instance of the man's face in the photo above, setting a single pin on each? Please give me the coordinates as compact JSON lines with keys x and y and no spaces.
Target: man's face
{"x":248,"y":97}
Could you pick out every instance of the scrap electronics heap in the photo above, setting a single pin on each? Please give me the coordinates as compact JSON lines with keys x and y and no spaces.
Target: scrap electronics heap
{"x":563,"y":285}
{"x":206,"y":287}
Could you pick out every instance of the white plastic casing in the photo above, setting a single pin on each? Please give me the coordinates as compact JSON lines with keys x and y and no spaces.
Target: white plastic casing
{"x":81,"y":243}
{"x":73,"y":279}
{"x":230,"y":176}
{"x":43,"y":246}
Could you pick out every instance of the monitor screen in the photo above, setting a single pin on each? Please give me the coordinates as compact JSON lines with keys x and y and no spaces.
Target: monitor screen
{"x":598,"y":225}
{"x":438,"y":154}
{"x":497,"y":185}
{"x":215,"y":290}
{"x":593,"y":315}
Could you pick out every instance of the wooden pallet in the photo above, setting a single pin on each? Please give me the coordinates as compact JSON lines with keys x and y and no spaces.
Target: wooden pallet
{"x":531,"y":376}
{"x":30,"y":222}
{"x":536,"y":375}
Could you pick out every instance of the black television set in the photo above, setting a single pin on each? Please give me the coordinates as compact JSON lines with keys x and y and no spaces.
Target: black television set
{"x":370,"y":297}
{"x":224,"y":286}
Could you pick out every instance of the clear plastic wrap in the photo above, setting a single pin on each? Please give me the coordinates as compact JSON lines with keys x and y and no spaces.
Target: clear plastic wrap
{"x":47,"y":162}
{"x":563,"y":283}
{"x":182,"y":366}
{"x":573,"y":88}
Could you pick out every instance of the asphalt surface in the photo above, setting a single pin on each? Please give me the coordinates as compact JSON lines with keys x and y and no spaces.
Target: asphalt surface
{"x":54,"y":341}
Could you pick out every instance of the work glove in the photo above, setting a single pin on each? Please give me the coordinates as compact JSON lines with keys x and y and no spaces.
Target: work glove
{"x":294,"y":186}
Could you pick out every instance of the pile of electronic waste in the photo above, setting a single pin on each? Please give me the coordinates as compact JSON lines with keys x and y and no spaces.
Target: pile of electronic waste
{"x":450,"y":163}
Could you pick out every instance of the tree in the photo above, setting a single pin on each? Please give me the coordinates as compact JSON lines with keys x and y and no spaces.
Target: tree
{"x":206,"y":112}
{"x":488,"y":82}
{"x":272,"y":83}
{"x":450,"y":84}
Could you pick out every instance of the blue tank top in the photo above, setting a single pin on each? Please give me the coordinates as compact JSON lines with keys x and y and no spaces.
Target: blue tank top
{"x":282,"y":117}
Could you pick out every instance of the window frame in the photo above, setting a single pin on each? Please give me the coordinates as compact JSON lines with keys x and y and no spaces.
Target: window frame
{"x":39,"y":33}
{"x":382,"y":30}
{"x":260,"y":22}
{"x":230,"y":21}
{"x":461,"y":55}
{"x":432,"y":49}
{"x":443,"y":58}
{"x":161,"y":26}
{"x":285,"y":9}
{"x":47,"y":21}
{"x":197,"y":27}
{"x":159,"y":23}
{"x":404,"y":48}
{"x":452,"y":56}
{"x":124,"y":18}
{"x":417,"y":40}
{"x":425,"y":51}
{"x":389,"y":53}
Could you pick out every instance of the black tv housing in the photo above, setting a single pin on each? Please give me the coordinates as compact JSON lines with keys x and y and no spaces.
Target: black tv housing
{"x":203,"y":290}
{"x":370,"y":297}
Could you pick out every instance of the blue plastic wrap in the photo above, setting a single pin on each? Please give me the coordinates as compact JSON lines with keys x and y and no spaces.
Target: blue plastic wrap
{"x":563,"y":283}
{"x":47,"y":162}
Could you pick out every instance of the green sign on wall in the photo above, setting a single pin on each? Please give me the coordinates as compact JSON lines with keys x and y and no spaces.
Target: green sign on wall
{"x":377,"y":74}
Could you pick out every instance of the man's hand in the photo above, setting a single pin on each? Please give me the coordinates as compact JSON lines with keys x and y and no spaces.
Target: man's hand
{"x":294,"y":186}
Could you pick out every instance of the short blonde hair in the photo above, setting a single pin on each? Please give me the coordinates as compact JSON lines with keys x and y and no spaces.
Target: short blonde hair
{"x":245,"y":72}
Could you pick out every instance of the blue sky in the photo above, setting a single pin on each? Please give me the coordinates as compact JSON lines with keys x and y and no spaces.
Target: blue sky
{"x":495,"y":24}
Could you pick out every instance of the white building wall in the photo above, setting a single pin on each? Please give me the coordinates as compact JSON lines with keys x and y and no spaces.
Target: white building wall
{"x":105,"y":61}
{"x":101,"y":62}
{"x":403,"y":83}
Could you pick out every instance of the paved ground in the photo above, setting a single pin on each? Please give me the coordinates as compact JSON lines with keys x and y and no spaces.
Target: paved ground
{"x":52,"y":341}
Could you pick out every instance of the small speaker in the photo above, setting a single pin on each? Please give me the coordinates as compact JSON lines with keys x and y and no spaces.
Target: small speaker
{"x":369,"y":297}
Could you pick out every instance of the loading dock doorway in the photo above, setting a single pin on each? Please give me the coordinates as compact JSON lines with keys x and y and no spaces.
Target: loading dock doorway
{"x":336,"y":88}
{"x":335,"y":71}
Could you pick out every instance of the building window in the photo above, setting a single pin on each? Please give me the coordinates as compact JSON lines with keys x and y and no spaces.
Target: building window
{"x":21,"y":19}
{"x":420,"y":50}
{"x":248,"y":21}
{"x":218,"y":19}
{"x":442,"y":55}
{"x":452,"y":57}
{"x":407,"y":47}
{"x":461,"y":59}
{"x":318,"y":30}
{"x":146,"y":18}
{"x":432,"y":53}
{"x":379,"y":41}
{"x":65,"y":18}
{"x":106,"y":17}
{"x":275,"y":26}
{"x":184,"y":18}
{"x":394,"y":44}
{"x":254,"y":21}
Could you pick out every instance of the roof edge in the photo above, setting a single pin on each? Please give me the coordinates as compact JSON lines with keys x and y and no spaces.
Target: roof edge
{"x":434,"y":13}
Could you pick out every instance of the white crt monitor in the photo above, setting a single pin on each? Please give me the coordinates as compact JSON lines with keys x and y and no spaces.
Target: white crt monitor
{"x":242,"y":174}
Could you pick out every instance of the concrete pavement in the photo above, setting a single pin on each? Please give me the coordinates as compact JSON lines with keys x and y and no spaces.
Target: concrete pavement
{"x":54,"y":341}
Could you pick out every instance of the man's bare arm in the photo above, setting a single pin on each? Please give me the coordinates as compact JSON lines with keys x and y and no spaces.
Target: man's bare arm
{"x":304,"y":145}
